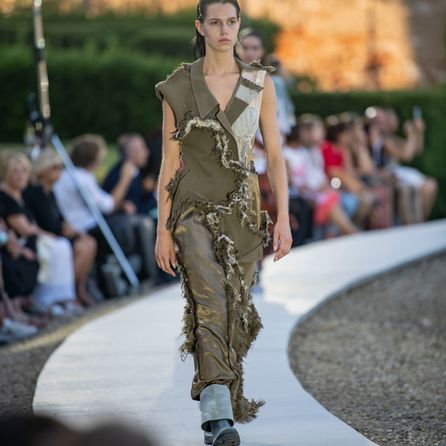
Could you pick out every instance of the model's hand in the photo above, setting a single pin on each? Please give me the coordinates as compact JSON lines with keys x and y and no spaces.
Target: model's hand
{"x":165,"y":252}
{"x":282,"y":238}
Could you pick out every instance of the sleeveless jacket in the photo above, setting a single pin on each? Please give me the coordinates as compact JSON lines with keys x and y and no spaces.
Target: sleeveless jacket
{"x":217,"y":173}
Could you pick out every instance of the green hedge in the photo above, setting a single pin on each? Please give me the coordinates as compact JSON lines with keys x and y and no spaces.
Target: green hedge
{"x":154,"y":34}
{"x":105,"y":92}
{"x":113,"y":91}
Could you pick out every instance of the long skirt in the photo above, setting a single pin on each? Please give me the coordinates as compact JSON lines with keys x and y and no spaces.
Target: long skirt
{"x":56,"y":282}
{"x":213,"y":328}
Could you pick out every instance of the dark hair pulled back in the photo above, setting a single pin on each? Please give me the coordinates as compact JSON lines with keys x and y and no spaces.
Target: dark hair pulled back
{"x":199,"y":43}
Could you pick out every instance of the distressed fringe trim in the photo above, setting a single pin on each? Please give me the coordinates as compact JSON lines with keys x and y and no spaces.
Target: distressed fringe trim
{"x":245,"y":322}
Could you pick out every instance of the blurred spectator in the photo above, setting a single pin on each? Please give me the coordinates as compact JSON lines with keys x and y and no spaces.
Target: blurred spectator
{"x":43,"y":430}
{"x":285,"y":107}
{"x":252,"y":45}
{"x":87,"y":154}
{"x":140,"y":197}
{"x":20,"y":265}
{"x":54,"y":292}
{"x":361,"y":161}
{"x":154,"y":142}
{"x":306,"y":173}
{"x":35,"y":430}
{"x":39,"y":197}
{"x":416,"y":191}
{"x":267,"y":200}
{"x":14,"y":323}
{"x":358,"y":200}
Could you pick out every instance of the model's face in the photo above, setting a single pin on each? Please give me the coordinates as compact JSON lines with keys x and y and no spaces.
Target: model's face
{"x":220,"y":27}
{"x":252,"y":49}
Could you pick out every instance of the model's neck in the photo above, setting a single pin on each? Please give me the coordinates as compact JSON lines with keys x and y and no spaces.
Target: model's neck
{"x":219,"y":63}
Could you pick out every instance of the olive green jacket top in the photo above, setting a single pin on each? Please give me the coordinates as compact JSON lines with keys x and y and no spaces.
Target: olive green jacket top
{"x":217,"y":173}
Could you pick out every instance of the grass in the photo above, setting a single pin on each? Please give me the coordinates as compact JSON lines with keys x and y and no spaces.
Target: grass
{"x":111,"y":156}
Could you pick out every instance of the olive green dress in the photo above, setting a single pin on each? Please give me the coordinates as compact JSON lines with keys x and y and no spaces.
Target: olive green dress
{"x":217,"y":225}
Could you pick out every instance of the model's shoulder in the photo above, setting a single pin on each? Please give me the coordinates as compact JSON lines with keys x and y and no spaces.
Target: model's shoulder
{"x":174,"y":80}
{"x":181,"y":71}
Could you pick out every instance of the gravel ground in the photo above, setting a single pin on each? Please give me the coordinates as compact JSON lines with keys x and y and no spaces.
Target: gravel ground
{"x":21,"y":362}
{"x":375,"y":356}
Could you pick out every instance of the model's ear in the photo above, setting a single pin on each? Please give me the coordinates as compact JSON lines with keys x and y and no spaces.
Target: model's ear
{"x":199,"y":27}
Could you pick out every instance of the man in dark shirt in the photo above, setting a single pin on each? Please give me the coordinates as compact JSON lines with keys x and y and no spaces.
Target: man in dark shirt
{"x":140,"y":203}
{"x":133,"y":150}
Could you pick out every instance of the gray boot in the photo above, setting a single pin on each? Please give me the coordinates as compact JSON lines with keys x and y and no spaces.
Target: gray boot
{"x":217,"y":417}
{"x":208,"y":437}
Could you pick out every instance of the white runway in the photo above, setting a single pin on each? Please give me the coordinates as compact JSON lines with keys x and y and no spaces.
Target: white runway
{"x":126,"y":364}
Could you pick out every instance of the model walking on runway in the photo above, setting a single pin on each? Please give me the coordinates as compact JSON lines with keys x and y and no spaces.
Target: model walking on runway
{"x":210,"y":224}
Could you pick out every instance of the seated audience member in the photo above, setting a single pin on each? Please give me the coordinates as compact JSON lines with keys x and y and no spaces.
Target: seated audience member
{"x":306,"y":172}
{"x":140,"y":200}
{"x":21,"y":275}
{"x":152,"y":169}
{"x":362,"y":162}
{"x":267,"y":200}
{"x":286,"y":114}
{"x":335,"y":151}
{"x":54,"y":293}
{"x":140,"y":192}
{"x":416,"y":191}
{"x":45,"y":430}
{"x":39,"y":197}
{"x":252,"y":45}
{"x":19,"y":268}
{"x":87,"y":154}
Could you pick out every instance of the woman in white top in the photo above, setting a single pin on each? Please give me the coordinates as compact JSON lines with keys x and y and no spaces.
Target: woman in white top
{"x":87,"y":154}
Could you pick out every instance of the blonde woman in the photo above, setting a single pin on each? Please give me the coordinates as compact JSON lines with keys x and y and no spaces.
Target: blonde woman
{"x":55,"y":292}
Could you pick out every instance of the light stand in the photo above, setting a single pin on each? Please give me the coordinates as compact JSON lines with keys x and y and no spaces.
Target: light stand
{"x":45,"y":135}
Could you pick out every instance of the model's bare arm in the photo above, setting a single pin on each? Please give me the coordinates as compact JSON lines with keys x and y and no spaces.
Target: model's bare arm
{"x":276,"y":169}
{"x":164,"y":247}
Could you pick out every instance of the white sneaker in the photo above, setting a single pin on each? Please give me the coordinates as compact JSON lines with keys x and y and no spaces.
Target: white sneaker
{"x":72,"y":308}
{"x":18,"y":329}
{"x":58,"y":310}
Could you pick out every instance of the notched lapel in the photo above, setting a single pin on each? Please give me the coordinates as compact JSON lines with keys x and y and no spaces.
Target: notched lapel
{"x":204,"y":100}
{"x":246,"y":91}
